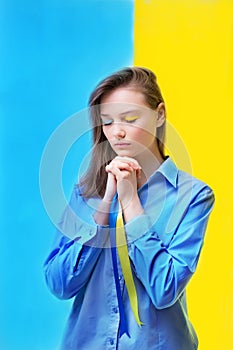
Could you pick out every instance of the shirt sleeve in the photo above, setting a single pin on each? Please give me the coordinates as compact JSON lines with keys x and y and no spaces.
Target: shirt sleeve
{"x":163,"y":269}
{"x":75,"y":250}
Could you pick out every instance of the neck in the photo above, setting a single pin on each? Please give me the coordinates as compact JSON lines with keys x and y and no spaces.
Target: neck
{"x":150,"y":160}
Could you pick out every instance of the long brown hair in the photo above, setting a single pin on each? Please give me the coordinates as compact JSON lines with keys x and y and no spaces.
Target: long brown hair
{"x":93,"y":183}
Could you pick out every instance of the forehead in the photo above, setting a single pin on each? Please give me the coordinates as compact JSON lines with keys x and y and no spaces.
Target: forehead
{"x":123,"y":100}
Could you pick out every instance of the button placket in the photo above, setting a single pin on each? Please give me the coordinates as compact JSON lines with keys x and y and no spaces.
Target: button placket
{"x":111,"y":340}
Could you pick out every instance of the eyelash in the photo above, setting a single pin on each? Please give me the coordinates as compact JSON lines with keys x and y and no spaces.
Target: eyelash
{"x":106,"y":122}
{"x":131,"y":119}
{"x":109,"y":122}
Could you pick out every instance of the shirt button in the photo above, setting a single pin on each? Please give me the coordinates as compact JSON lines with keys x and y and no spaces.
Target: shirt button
{"x":115,"y":310}
{"x":120,"y":277}
{"x":111,"y":341}
{"x":90,"y":232}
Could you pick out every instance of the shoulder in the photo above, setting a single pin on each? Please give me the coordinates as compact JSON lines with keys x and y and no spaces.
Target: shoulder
{"x":78,"y":192}
{"x":196,"y":188}
{"x":180,"y":179}
{"x":80,"y":203}
{"x":78,"y":189}
{"x":186,"y":178}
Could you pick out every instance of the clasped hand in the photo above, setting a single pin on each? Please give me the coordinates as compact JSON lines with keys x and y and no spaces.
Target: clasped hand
{"x":123,"y":173}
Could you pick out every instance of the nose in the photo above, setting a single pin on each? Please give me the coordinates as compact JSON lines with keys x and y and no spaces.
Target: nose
{"x":118,"y":131}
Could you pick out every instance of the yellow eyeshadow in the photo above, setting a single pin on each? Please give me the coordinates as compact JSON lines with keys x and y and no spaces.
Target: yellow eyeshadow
{"x":131,"y":119}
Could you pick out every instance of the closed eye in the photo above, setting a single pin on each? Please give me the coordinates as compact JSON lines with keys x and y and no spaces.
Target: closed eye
{"x":107,"y":122}
{"x":131,"y":119}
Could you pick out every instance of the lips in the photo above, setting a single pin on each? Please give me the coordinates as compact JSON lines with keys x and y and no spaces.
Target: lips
{"x":122,"y":144}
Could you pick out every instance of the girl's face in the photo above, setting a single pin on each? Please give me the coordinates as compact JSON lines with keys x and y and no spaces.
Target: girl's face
{"x":128,"y":123}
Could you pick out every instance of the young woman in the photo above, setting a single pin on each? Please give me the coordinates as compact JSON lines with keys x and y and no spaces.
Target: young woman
{"x":164,"y":212}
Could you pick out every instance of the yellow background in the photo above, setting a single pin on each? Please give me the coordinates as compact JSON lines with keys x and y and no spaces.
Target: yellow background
{"x":189,"y":45}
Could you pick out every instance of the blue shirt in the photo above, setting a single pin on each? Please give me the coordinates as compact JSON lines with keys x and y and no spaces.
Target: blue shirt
{"x":164,"y":245}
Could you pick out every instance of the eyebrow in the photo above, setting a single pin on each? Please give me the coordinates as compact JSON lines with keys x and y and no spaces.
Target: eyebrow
{"x":123,"y":113}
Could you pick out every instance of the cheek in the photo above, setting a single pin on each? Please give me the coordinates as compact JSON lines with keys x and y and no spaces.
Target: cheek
{"x":106,"y":132}
{"x":141,"y":136}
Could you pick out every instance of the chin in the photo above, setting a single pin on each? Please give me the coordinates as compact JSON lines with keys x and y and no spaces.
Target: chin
{"x":124,"y":153}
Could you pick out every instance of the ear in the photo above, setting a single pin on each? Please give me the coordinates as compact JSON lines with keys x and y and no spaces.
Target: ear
{"x":161,"y":114}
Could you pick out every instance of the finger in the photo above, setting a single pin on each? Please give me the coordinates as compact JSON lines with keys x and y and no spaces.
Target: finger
{"x":119,"y":171}
{"x":126,"y":160}
{"x":129,"y":160}
{"x":120,"y":165}
{"x":116,"y":172}
{"x":132,"y":165}
{"x":138,"y":173}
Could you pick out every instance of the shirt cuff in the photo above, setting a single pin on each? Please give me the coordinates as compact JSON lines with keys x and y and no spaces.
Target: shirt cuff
{"x":137,"y":227}
{"x":95,"y":237}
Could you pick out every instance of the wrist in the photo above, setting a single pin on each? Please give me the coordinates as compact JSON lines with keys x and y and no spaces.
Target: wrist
{"x":132,"y":209}
{"x":102,"y":212}
{"x":107,"y":199}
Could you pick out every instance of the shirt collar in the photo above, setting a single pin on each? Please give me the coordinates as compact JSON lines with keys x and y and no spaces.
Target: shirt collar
{"x":169,"y":170}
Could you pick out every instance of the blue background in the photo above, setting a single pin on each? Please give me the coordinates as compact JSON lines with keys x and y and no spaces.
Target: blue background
{"x":52,"y":55}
